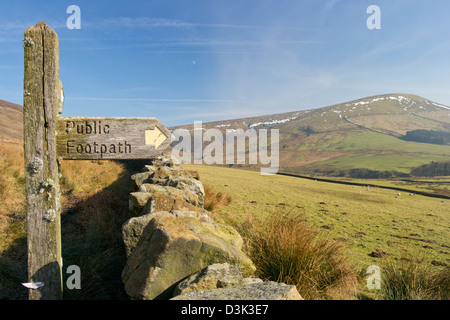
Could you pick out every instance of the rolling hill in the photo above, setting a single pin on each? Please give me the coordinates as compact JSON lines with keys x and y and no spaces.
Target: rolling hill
{"x":363,"y":133}
{"x":10,"y":121}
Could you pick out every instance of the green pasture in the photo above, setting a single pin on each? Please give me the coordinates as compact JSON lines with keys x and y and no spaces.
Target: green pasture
{"x":367,"y":221}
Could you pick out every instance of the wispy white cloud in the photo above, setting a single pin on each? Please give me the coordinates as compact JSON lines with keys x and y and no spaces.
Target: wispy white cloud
{"x":226,"y":46}
{"x":330,"y":4}
{"x":22,"y":25}
{"x":230,"y":43}
{"x":151,"y":22}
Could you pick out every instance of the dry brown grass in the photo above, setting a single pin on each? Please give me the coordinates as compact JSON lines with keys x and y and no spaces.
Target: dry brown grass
{"x":82,"y":178}
{"x":411,"y":278}
{"x":12,"y":193}
{"x":214,"y":200}
{"x":95,"y":195}
{"x":89,"y":175}
{"x":285,"y":249}
{"x":12,"y":220}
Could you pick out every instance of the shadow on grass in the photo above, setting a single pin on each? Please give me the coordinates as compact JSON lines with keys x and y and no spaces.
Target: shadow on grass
{"x":13,"y":271}
{"x":91,"y":239}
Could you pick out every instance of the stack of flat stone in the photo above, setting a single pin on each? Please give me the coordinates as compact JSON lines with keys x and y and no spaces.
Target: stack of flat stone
{"x":174,"y":247}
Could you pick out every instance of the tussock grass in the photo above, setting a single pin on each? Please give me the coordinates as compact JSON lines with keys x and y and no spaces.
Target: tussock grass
{"x":286,"y":249}
{"x":411,"y":278}
{"x":214,"y":200}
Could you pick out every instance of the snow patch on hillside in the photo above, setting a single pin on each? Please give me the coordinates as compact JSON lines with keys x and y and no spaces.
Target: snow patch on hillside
{"x":271,"y":122}
{"x":440,"y":105}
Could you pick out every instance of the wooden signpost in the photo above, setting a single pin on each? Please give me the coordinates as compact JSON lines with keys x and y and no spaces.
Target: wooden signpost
{"x":49,"y":138}
{"x":110,"y":138}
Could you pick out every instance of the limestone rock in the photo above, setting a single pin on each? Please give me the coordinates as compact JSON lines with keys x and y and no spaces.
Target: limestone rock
{"x":150,"y":168}
{"x":163,"y":173}
{"x":201,"y":216}
{"x":215,"y":276}
{"x":165,"y":162}
{"x":256,"y":291}
{"x":133,"y":228}
{"x":139,"y":199}
{"x":152,"y":174}
{"x":228,"y":233}
{"x":164,"y":202}
{"x":189,"y":196}
{"x":188,"y":184}
{"x":173,"y":246}
{"x":140,"y":178}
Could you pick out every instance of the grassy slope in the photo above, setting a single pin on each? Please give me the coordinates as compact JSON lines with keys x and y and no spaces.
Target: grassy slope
{"x":372,"y":150}
{"x":348,"y":146}
{"x":366,"y":221}
{"x":437,"y":185}
{"x":12,"y":191}
{"x":10,"y":121}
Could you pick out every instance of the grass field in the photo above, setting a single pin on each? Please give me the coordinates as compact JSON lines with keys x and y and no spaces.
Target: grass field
{"x":376,"y":151}
{"x":371,"y":223}
{"x":436,"y":185}
{"x":402,"y":162}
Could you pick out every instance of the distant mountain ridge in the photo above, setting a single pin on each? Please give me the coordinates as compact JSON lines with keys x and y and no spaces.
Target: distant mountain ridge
{"x":361,"y":133}
{"x":388,"y":104}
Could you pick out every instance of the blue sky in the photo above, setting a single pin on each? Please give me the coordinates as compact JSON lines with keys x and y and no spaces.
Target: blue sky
{"x":203,"y":60}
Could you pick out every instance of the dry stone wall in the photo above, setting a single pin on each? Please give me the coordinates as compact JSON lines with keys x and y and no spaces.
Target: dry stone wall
{"x":175,"y":250}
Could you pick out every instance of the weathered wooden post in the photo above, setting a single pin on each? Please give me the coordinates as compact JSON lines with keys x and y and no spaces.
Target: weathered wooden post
{"x":42,"y":93}
{"x":49,"y":138}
